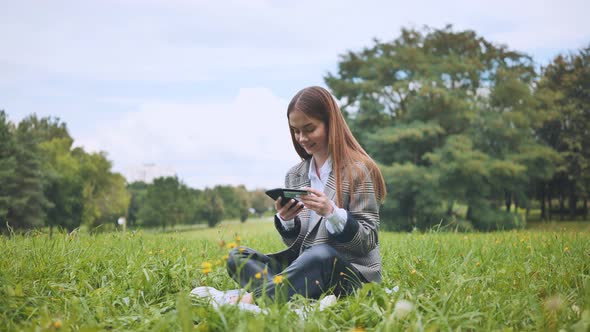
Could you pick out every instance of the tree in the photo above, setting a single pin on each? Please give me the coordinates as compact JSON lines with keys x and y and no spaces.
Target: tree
{"x":63,"y":184}
{"x":138,"y":191}
{"x":213,"y":208}
{"x":450,"y":112}
{"x":8,"y":165}
{"x":168,"y":202}
{"x":564,"y":88}
{"x":28,"y":203}
{"x":103,"y":193}
{"x":235,"y":201}
{"x":260,"y":202}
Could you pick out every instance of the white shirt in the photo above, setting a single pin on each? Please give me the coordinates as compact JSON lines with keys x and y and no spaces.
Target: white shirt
{"x":336,"y":220}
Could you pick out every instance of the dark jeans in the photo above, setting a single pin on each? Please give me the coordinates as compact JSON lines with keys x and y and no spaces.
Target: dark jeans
{"x":317,"y":270}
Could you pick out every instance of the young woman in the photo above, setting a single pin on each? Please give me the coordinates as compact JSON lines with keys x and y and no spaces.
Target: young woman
{"x":332,"y":232}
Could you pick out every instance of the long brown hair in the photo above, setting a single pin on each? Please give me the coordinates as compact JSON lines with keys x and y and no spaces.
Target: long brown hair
{"x":316,"y":102}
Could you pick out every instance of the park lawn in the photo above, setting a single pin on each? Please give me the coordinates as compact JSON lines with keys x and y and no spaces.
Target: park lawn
{"x":520,"y":280}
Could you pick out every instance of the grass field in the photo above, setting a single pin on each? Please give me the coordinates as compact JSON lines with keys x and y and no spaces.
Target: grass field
{"x":512,"y":281}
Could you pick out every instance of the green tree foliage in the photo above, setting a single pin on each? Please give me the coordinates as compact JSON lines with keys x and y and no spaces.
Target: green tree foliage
{"x":63,"y":184}
{"x":235,"y":201}
{"x":448,"y":115}
{"x":45,"y":182}
{"x":103,"y":192}
{"x":565,"y":90}
{"x":28,"y":203}
{"x":213,"y":208}
{"x":8,"y":180}
{"x":260,"y":202}
{"x":167,"y":203}
{"x":138,"y":192}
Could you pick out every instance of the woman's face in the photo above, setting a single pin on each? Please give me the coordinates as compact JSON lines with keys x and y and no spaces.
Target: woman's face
{"x":310,"y":133}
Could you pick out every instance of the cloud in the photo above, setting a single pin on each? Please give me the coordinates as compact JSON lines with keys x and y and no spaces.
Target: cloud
{"x":242,"y":141}
{"x":163,"y":81}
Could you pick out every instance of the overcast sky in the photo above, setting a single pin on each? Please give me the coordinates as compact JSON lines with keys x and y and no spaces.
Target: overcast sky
{"x":200,"y":88}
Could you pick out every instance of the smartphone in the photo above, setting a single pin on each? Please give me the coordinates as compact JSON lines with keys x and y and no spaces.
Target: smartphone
{"x":286,"y":194}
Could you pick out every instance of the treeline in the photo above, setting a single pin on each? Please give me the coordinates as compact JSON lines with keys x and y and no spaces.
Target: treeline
{"x":467,"y":131}
{"x":168,"y":202}
{"x":46,"y":182}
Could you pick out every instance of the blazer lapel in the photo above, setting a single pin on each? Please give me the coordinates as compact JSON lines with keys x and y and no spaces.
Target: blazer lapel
{"x":330,"y":189}
{"x":304,"y":181}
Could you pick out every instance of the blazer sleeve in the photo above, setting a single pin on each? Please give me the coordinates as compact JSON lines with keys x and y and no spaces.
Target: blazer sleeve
{"x":290,"y":237}
{"x":360,"y":233}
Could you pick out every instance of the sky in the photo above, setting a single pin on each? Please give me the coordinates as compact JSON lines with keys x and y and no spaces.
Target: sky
{"x":199,"y":89}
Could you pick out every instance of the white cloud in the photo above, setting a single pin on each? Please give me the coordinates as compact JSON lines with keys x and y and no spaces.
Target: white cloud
{"x":243,"y":141}
{"x":128,"y":66}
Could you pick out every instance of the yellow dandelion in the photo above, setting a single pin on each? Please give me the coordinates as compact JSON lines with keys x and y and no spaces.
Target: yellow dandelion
{"x":566,"y":249}
{"x":265,"y":271}
{"x":278,"y":279}
{"x":477,"y":264}
{"x":241,"y":250}
{"x":162,"y":251}
{"x":238,"y":238}
{"x":258,"y":275}
{"x":226,"y":257}
{"x":57,"y":324}
{"x":231,"y":245}
{"x":413,"y":271}
{"x":150,"y":253}
{"x":206,"y":267}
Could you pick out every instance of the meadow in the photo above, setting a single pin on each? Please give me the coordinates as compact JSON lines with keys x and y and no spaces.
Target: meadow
{"x":536,"y":279}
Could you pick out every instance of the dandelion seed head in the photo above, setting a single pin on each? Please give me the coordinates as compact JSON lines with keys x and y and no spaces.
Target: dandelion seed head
{"x":554,"y":303}
{"x":402,"y":308}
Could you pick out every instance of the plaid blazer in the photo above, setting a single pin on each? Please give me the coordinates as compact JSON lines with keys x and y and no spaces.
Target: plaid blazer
{"x":358,"y":242}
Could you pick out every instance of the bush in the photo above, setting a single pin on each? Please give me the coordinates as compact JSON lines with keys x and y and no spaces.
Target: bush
{"x":485,"y":218}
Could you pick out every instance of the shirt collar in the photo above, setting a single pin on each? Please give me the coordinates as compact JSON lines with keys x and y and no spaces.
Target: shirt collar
{"x":324,"y":170}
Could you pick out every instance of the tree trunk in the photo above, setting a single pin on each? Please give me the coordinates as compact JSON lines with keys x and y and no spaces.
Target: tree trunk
{"x":542,"y":199}
{"x":450,"y":204}
{"x":573,"y":201}
{"x":507,"y":200}
{"x":549,"y":207}
{"x":585,"y":208}
{"x":561,"y":206}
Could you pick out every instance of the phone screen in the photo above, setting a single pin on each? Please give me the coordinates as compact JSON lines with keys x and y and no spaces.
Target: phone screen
{"x":293,"y":194}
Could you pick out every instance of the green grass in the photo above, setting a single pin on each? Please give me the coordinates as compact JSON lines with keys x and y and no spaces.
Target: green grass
{"x":526,"y":280}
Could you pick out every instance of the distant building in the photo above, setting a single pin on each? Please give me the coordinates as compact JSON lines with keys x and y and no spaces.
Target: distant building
{"x":148,"y":172}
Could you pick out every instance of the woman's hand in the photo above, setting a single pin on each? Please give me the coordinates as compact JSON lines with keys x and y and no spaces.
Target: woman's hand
{"x":317,"y":201}
{"x":289,"y":210}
